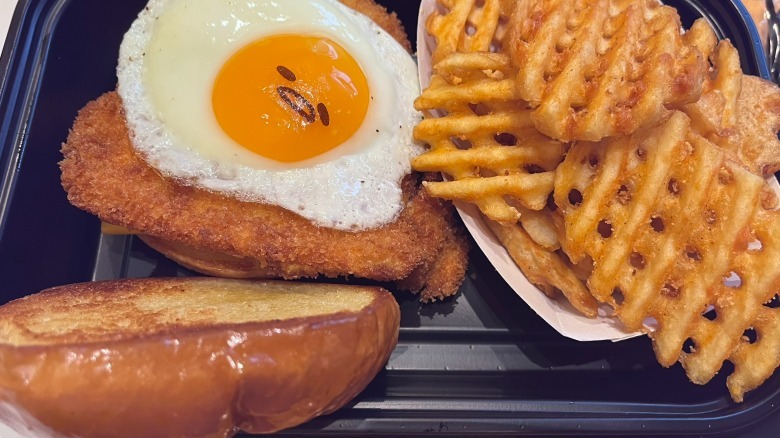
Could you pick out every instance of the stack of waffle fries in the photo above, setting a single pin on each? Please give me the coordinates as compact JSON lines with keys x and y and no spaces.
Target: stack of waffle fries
{"x":621,"y":160}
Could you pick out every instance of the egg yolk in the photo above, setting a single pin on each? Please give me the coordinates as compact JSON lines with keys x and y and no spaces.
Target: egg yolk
{"x":290,"y":97}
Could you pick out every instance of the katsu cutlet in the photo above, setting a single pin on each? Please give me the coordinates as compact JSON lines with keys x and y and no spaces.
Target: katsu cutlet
{"x":424,"y":249}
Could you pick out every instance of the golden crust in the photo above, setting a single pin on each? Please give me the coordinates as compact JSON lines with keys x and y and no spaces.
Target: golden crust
{"x":101,"y":167}
{"x":220,"y":236}
{"x":755,"y":143}
{"x":208,"y":262}
{"x":435,"y":278}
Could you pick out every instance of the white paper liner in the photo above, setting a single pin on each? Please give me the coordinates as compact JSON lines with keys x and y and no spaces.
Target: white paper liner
{"x":559,"y":313}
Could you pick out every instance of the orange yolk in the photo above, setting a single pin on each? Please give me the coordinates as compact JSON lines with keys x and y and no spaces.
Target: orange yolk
{"x":290,"y":97}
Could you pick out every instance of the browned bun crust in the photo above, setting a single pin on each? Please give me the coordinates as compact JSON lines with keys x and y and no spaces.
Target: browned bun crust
{"x":174,"y":380}
{"x":208,"y":262}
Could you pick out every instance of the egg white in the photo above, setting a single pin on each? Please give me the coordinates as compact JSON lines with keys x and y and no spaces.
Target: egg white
{"x":170,"y":58}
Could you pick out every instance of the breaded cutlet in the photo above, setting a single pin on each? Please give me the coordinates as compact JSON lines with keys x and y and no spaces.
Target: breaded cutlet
{"x":424,"y":249}
{"x":104,"y":175}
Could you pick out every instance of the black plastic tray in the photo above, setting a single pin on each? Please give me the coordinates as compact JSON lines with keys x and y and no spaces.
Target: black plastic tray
{"x":479,"y":364}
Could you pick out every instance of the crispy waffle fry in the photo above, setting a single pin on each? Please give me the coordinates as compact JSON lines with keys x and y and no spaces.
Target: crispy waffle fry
{"x":666,"y":217}
{"x":755,"y":141}
{"x":476,"y":141}
{"x":753,"y":138}
{"x":593,"y":69}
{"x":654,"y":219}
{"x":468,"y":26}
{"x":540,"y":226}
{"x":490,"y":151}
{"x":716,"y":110}
{"x":756,"y":358}
{"x":739,"y":113}
{"x":546,"y":269}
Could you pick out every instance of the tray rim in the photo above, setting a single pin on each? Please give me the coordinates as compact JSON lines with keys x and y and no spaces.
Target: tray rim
{"x":22,"y":63}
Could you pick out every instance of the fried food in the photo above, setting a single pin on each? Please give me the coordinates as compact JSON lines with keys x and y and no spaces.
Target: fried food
{"x":100,"y":164}
{"x":737,"y":112}
{"x":675,"y":228}
{"x":753,"y":138}
{"x":217,"y":235}
{"x":755,"y":142}
{"x":624,"y":70}
{"x":490,"y":151}
{"x":467,"y":26}
{"x":758,"y":357}
{"x":438,"y":276}
{"x":540,"y":226}
{"x":596,"y":69}
{"x":716,"y":110}
{"x":487,"y":146}
{"x":544,"y":268}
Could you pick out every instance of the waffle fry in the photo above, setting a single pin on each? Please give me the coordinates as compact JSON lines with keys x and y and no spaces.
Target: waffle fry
{"x":716,"y":110}
{"x":652,"y":219}
{"x":547,"y":270}
{"x":666,"y":216}
{"x":540,"y":226}
{"x":754,"y":359}
{"x":755,"y":142}
{"x":490,"y":151}
{"x":752,"y":138}
{"x":467,"y":26}
{"x":739,"y":113}
{"x":593,"y":69}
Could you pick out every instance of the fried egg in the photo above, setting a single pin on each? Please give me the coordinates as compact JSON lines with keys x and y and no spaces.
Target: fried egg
{"x":304,"y":104}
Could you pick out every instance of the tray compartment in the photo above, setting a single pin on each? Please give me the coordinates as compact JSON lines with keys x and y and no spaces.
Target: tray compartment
{"x":481,"y":363}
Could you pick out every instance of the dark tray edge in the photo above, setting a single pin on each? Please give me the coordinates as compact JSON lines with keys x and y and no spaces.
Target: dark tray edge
{"x":20,"y":75}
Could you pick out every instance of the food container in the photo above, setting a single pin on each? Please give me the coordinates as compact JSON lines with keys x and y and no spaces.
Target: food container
{"x":482,"y":363}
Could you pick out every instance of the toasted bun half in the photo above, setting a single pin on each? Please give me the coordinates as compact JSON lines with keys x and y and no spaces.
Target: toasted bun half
{"x":190,"y":357}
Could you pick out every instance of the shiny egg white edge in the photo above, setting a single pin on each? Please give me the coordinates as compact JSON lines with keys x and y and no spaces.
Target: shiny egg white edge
{"x":324,"y":192}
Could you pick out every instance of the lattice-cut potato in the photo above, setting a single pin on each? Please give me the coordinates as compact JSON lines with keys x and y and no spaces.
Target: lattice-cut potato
{"x":758,"y":352}
{"x":716,"y":110}
{"x":468,"y":26}
{"x":485,"y":143}
{"x":752,"y":140}
{"x":677,"y":232}
{"x":739,"y":113}
{"x":593,"y":69}
{"x":549,"y":270}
